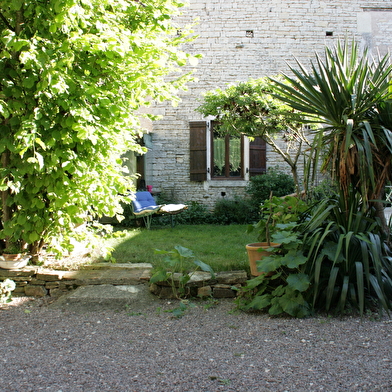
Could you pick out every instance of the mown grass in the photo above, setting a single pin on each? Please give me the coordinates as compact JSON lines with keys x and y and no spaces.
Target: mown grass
{"x":222,"y":247}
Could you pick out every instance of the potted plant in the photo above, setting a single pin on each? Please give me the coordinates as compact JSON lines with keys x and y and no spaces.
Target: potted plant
{"x":12,"y":252}
{"x":13,"y":257}
{"x":276,"y":213}
{"x":282,"y":285}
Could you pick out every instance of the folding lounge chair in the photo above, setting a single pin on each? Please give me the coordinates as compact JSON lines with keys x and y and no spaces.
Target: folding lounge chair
{"x":144,"y":206}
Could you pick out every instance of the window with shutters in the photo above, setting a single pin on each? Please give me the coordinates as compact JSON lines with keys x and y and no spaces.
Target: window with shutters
{"x":223,"y":157}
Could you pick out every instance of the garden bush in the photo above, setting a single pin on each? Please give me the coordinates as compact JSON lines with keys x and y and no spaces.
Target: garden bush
{"x":275,"y":181}
{"x":225,"y":212}
{"x":335,"y":258}
{"x":234,"y":211}
{"x":195,"y":214}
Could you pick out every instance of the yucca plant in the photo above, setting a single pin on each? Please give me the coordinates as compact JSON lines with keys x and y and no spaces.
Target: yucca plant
{"x":348,"y":92}
{"x":348,"y":264}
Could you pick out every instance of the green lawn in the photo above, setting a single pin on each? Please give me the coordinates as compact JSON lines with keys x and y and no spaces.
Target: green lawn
{"x":222,"y":247}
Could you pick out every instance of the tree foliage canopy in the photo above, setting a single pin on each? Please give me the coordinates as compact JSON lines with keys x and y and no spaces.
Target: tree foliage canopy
{"x":74,"y":74}
{"x":251,"y":108}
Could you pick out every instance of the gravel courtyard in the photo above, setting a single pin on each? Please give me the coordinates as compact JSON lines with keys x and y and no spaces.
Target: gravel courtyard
{"x":211,"y":348}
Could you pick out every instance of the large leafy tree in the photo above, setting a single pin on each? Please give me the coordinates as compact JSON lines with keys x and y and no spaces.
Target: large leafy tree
{"x":73,"y":75}
{"x":250,"y":108}
{"x":348,"y":92}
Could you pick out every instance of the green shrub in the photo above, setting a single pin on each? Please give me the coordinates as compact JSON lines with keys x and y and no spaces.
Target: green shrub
{"x":195,"y":214}
{"x":234,"y":211}
{"x":276,"y":211}
{"x":275,"y":181}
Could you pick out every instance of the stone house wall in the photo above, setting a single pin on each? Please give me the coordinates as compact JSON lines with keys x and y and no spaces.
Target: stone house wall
{"x":242,"y":40}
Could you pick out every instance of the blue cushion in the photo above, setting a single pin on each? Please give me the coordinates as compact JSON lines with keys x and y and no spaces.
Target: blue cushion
{"x":144,"y":201}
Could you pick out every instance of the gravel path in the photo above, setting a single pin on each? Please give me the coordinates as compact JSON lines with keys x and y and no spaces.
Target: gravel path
{"x":215,"y":349}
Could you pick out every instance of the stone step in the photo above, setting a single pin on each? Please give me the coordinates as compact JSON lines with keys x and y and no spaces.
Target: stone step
{"x":113,"y":297}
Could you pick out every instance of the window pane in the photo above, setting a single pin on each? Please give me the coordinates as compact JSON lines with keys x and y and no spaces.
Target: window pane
{"x":227,"y":156}
{"x":235,"y":156}
{"x":219,"y":156}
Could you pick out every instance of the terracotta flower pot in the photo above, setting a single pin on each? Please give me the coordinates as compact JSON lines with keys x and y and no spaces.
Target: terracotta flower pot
{"x":11,"y":256}
{"x":256,"y":252}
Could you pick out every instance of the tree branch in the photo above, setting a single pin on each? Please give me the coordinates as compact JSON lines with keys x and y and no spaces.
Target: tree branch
{"x":5,"y":21}
{"x":138,"y":1}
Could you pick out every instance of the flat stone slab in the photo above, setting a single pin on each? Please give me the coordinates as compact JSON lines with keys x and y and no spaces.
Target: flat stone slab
{"x":120,"y":297}
{"x":115,"y":276}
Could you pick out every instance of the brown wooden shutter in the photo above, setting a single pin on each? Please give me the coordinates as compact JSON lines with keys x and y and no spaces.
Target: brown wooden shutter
{"x":198,"y":151}
{"x":257,"y":157}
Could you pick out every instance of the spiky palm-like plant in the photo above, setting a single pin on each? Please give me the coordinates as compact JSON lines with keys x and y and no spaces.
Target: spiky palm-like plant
{"x":348,"y":92}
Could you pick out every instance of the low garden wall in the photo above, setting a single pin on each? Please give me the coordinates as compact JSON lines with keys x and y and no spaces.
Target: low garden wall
{"x":37,"y":282}
{"x":202,"y":284}
{"x":31,"y":282}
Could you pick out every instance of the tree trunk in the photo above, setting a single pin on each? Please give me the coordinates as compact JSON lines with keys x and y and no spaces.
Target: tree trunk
{"x":287,"y":158}
{"x":6,"y":209}
{"x":294,"y":172}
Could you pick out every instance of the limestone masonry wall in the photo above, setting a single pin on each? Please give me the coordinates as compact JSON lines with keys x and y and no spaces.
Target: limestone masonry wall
{"x":32,"y":283}
{"x":242,"y":40}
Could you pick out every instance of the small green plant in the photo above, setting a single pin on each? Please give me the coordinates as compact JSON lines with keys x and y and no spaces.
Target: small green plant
{"x":274,"y":212}
{"x":211,"y":303}
{"x":178,"y":267}
{"x":12,"y":248}
{"x":180,"y":310}
{"x":6,"y":288}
